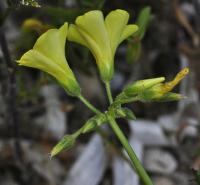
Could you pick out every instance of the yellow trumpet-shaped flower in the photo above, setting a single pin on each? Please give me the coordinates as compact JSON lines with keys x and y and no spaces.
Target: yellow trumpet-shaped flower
{"x":48,"y":54}
{"x":102,"y":37}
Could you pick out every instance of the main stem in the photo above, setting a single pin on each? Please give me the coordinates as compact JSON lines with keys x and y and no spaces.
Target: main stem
{"x":135,"y":161}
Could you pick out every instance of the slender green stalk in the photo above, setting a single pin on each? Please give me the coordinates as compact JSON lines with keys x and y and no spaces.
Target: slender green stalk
{"x":89,"y":105}
{"x":108,"y":90}
{"x":135,"y":161}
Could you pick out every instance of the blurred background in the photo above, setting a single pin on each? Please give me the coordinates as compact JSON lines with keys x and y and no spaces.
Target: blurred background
{"x":35,"y":112}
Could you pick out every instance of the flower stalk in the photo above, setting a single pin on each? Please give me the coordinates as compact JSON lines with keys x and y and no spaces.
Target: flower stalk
{"x":118,"y":132}
{"x":136,"y":164}
{"x":89,"y":105}
{"x":109,"y":93}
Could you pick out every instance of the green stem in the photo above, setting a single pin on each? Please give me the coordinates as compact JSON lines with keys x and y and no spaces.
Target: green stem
{"x":89,"y":105}
{"x":108,"y":90}
{"x":135,"y":161}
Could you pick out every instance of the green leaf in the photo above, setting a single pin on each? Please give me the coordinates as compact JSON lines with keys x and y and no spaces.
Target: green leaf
{"x":64,"y":144}
{"x":143,"y":21}
{"x":135,"y":46}
{"x":125,"y":113}
{"x":129,"y":114}
{"x":119,"y":113}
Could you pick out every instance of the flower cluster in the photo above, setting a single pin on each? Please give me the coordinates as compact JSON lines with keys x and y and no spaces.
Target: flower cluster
{"x":102,"y":37}
{"x":91,"y":30}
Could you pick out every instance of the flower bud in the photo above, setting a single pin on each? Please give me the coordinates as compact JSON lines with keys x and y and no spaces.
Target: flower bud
{"x":161,"y":91}
{"x":65,"y":143}
{"x":141,"y":85}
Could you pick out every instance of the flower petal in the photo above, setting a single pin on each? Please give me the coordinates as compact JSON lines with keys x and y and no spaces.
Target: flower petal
{"x":128,"y":31}
{"x":115,"y":23}
{"x":35,"y":59}
{"x":92,"y":25}
{"x":166,"y":87}
{"x":52,"y":45}
{"x":75,"y":36}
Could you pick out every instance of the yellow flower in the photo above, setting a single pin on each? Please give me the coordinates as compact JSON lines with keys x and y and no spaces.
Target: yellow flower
{"x":102,"y":37}
{"x":48,"y":54}
{"x":162,"y":92}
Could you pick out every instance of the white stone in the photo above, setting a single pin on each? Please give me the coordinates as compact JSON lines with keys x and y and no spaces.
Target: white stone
{"x":189,"y":131}
{"x":159,"y":161}
{"x":123,"y":173}
{"x":148,"y":132}
{"x":168,"y":122}
{"x":90,"y":166}
{"x":54,"y":120}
